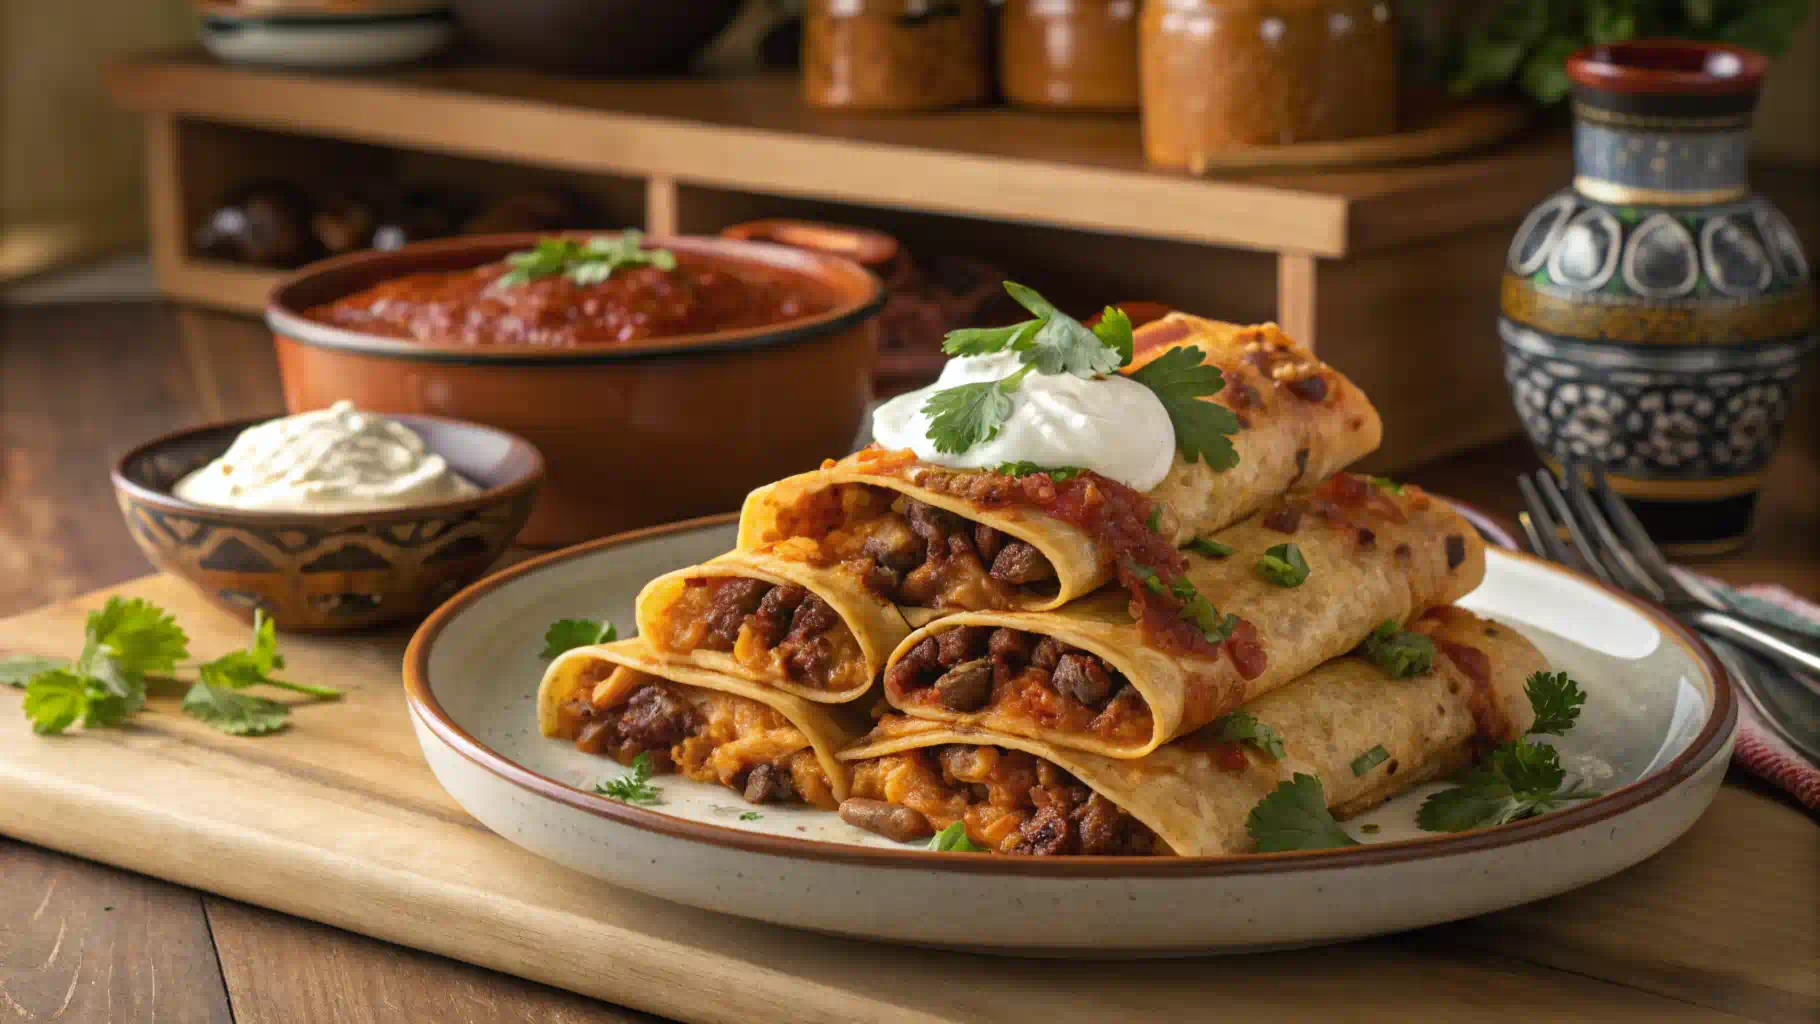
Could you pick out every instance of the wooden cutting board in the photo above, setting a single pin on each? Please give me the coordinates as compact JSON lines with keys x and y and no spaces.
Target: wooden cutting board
{"x":338,"y":820}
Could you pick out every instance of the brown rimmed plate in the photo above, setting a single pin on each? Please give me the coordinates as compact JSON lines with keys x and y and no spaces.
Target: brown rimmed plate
{"x":1655,"y":737}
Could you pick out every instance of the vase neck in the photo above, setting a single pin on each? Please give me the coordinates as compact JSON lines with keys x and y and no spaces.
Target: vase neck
{"x":1620,"y":163}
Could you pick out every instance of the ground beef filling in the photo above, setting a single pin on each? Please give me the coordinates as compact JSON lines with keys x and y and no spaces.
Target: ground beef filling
{"x":912,"y":553}
{"x":1038,"y":678}
{"x":773,"y":630}
{"x":1010,"y":801}
{"x":700,"y":734}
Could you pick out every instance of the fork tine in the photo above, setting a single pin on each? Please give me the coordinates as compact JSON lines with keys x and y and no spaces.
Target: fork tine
{"x":1589,"y":552}
{"x":1530,"y":531}
{"x":1545,"y":535}
{"x":1645,"y":550}
{"x":1611,"y":549}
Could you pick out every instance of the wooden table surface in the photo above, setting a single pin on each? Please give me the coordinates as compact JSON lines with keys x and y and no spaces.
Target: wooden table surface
{"x":83,"y":943}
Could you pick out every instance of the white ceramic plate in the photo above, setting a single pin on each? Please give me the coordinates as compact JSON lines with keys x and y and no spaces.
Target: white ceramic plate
{"x":1655,"y":736}
{"x":332,"y":40}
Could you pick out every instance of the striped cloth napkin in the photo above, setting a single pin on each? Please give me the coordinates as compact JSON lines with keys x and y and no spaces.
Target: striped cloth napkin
{"x":1759,"y":749}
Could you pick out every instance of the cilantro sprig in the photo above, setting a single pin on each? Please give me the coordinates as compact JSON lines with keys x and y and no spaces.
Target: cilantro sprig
{"x":1519,"y":779}
{"x":564,"y":635}
{"x":1399,"y":652}
{"x":634,"y":787}
{"x":953,"y":839}
{"x":1284,"y":566}
{"x":1295,"y":817}
{"x":1243,"y":727}
{"x":589,"y":262}
{"x":129,"y":643}
{"x":1054,"y":343}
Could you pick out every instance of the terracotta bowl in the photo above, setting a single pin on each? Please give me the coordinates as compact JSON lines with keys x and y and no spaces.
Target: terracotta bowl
{"x":326,"y":572}
{"x":635,"y":434}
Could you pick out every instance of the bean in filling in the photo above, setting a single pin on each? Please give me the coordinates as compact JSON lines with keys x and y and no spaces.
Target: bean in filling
{"x":912,"y":553}
{"x":1011,"y":802}
{"x":773,"y":630}
{"x":1034,"y":677}
{"x":700,"y":734}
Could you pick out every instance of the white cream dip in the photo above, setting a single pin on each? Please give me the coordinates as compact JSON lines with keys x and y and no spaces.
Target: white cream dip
{"x":1113,"y":426}
{"x":331,"y":460}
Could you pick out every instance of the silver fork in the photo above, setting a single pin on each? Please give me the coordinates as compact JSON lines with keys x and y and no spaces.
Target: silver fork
{"x":1633,"y":563}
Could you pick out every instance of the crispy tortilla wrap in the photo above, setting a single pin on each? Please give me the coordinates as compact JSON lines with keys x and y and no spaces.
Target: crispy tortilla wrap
{"x":1093,"y":677}
{"x":622,"y":700}
{"x":1193,"y":797}
{"x":912,"y":530}
{"x":811,"y":630}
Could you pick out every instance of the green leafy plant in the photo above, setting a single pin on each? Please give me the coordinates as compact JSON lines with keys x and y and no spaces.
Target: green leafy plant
{"x":565,"y":635}
{"x":634,"y":787}
{"x":1519,"y":779}
{"x":1527,"y":42}
{"x":1295,"y":817}
{"x":589,"y":262}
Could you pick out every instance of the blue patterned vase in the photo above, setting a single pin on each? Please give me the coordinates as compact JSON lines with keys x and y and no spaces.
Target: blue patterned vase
{"x":1655,"y":314}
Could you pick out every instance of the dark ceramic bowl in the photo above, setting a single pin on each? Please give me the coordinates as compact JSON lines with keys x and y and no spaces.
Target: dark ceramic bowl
{"x":636,"y":434}
{"x":325,"y":572}
{"x":596,"y":37}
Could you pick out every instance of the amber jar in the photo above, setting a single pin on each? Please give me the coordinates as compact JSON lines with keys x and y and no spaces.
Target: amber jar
{"x":1224,"y":73}
{"x":894,"y":54}
{"x":1070,"y":54}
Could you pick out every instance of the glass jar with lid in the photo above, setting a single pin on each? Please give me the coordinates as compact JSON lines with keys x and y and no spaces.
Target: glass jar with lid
{"x":894,"y":54}
{"x":1070,"y":54}
{"x":1223,"y":73}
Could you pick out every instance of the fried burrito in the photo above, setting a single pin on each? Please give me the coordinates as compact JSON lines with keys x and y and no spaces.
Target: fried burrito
{"x":804,"y":628}
{"x":922,"y":535}
{"x":1122,"y":674}
{"x":1193,"y":797}
{"x":622,"y":700}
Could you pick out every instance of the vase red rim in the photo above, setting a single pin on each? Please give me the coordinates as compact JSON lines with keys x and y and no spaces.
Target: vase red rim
{"x":1668,"y":67}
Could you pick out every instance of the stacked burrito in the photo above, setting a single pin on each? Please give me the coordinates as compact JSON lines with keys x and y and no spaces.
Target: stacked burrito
{"x":1060,"y":664}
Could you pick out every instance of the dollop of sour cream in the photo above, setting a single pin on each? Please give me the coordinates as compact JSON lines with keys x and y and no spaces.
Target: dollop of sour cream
{"x":1113,"y":426}
{"x":331,"y":460}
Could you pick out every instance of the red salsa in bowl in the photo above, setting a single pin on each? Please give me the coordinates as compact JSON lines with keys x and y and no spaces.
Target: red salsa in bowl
{"x":568,"y":293}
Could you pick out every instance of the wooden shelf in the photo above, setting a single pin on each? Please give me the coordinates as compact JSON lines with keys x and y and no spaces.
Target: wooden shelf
{"x":753,"y":135}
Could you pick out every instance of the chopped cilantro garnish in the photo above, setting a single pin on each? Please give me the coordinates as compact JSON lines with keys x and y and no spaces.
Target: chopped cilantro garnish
{"x":589,"y":262}
{"x":565,"y":635}
{"x":1385,"y":484}
{"x":1060,"y":474}
{"x":1556,"y":700}
{"x":1208,"y":547}
{"x":1284,"y":566}
{"x":634,"y":786}
{"x":1515,"y":781}
{"x":1398,"y":652}
{"x":953,"y":839}
{"x":1243,"y":727}
{"x":1368,"y":760}
{"x":1155,"y":520}
{"x":1295,"y":817}
{"x":750,"y":816}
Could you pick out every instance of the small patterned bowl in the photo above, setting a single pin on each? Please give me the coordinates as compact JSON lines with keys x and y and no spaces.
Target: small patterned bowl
{"x":327,"y":572}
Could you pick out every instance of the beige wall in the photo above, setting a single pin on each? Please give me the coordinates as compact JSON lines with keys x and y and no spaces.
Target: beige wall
{"x":69,"y":162}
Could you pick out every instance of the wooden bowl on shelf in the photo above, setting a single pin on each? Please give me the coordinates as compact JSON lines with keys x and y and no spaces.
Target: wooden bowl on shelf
{"x":596,"y":37}
{"x":636,"y":433}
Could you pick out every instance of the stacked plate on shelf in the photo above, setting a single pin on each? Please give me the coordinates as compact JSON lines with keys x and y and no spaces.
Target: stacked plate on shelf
{"x":325,"y":33}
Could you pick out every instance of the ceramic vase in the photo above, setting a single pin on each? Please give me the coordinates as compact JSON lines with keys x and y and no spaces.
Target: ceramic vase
{"x":1655,"y":314}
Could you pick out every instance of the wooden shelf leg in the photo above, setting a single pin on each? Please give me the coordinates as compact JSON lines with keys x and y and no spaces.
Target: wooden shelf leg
{"x":660,"y":206}
{"x":1296,"y":295}
{"x":164,"y":197}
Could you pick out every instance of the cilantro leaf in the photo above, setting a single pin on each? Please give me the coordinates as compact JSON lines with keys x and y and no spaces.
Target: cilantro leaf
{"x":1243,"y":727}
{"x":1385,"y":484}
{"x":1556,"y":699}
{"x":1060,"y":474}
{"x":254,"y":666}
{"x":107,"y":710}
{"x":1180,"y":379}
{"x":1402,"y":654}
{"x":970,"y":414}
{"x":750,"y":816}
{"x":1516,"y":781}
{"x":953,"y":839}
{"x":1029,"y":298}
{"x":1295,"y":817}
{"x":1215,"y":628}
{"x":237,"y":714}
{"x":140,"y":636}
{"x":1284,"y":566}
{"x":565,"y":635}
{"x":54,"y":700}
{"x":589,"y":262}
{"x":1065,"y":345}
{"x":20,"y":669}
{"x":1368,"y":760}
{"x":1208,"y":547}
{"x":634,"y":786}
{"x":981,"y":341}
{"x":1114,"y":331}
{"x":1155,"y":522}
